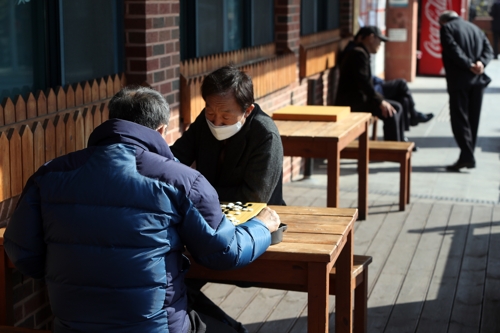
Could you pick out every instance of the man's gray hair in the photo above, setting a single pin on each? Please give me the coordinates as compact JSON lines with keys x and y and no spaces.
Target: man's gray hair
{"x":447,"y":16}
{"x":140,"y":105}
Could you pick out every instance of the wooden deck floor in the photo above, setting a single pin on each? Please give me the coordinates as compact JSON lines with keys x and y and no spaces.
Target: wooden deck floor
{"x":436,"y":268}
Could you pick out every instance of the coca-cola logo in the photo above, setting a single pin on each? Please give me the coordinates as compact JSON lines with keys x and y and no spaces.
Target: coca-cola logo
{"x":432,"y":10}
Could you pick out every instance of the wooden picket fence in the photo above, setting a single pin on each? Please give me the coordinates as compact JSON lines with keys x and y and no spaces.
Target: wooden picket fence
{"x":318,"y":52}
{"x":38,"y":129}
{"x":269,"y":72}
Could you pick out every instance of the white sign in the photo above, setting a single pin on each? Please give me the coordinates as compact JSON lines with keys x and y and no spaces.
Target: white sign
{"x":398,"y":35}
{"x":398,"y":3}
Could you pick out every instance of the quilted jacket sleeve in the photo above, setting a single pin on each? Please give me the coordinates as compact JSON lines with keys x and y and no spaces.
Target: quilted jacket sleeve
{"x":23,"y":239}
{"x":218,"y":244}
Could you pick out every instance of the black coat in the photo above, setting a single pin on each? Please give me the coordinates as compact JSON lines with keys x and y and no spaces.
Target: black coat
{"x":463,"y":43}
{"x":252,"y":170}
{"x":495,"y":14}
{"x":355,"y":87}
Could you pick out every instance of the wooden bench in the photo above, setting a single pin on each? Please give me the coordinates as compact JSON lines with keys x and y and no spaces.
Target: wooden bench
{"x":389,"y":151}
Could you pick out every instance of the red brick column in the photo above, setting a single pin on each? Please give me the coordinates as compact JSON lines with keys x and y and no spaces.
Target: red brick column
{"x":152,"y":50}
{"x":287,"y":25}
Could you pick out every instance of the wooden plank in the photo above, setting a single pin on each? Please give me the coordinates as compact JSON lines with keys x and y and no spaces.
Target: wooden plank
{"x":396,"y":267}
{"x":416,"y":284}
{"x":109,"y":87}
{"x":70,"y":97}
{"x":94,"y":89}
{"x":491,"y":298}
{"x":236,"y":302}
{"x":260,"y":308}
{"x":16,"y":162}
{"x":5,"y":186}
{"x":20,"y":106}
{"x":51,"y":101}
{"x":27,"y":152}
{"x":60,"y":131}
{"x":78,"y":95}
{"x":87,"y":93}
{"x":103,"y":89}
{"x":104,"y":112}
{"x":436,"y":313}
{"x":69,"y":122}
{"x":96,"y":116}
{"x":41,"y":103}
{"x":31,"y":111}
{"x":50,"y":139}
{"x":283,"y":317}
{"x":88,"y":124}
{"x":80,"y":141}
{"x":2,"y":116}
{"x":312,"y":113}
{"x":9,"y":111}
{"x":38,"y":145}
{"x":466,"y":313}
{"x":60,"y":98}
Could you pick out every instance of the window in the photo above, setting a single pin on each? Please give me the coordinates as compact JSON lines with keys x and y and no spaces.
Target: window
{"x":47,"y":43}
{"x":319,"y":15}
{"x":216,"y":26}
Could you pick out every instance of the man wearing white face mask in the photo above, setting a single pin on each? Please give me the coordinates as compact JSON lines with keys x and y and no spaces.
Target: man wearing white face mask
{"x":234,"y":144}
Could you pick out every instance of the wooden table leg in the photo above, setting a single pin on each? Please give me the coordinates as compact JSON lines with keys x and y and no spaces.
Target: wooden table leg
{"x":318,"y":291}
{"x":343,"y":292}
{"x":333,"y":175}
{"x":363,"y":159}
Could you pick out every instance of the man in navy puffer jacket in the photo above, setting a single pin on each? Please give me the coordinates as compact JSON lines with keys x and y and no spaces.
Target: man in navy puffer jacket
{"x":106,"y":227}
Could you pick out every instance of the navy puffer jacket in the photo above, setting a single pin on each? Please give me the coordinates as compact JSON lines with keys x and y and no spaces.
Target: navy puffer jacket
{"x":106,"y":227}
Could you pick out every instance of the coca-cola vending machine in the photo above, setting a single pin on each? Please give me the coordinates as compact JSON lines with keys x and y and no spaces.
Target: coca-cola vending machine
{"x":430,"y":45}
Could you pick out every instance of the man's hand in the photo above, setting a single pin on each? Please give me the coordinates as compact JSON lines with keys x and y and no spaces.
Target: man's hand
{"x":270,"y":218}
{"x":387,"y":109}
{"x":477,"y":68}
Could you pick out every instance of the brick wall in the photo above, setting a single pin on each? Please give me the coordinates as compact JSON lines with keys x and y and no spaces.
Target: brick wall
{"x":31,"y":302}
{"x":152,"y":51}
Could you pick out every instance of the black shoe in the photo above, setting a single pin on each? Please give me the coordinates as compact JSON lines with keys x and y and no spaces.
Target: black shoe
{"x":460,"y":165}
{"x":421,"y":118}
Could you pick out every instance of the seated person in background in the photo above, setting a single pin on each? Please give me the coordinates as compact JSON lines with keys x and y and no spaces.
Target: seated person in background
{"x":106,"y":227}
{"x":396,"y":90}
{"x":233,"y":143}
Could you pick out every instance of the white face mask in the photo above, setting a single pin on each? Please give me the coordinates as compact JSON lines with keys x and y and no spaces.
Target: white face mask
{"x":224,"y":132}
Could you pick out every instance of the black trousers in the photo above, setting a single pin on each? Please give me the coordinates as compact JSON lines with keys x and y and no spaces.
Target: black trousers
{"x":496,"y":39}
{"x":465,"y":109}
{"x":393,"y":126}
{"x":398,"y":90}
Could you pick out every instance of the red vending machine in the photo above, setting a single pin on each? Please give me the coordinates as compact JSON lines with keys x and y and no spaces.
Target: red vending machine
{"x":430,"y":45}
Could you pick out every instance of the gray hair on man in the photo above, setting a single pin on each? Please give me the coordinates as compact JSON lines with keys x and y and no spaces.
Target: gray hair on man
{"x":447,"y":16}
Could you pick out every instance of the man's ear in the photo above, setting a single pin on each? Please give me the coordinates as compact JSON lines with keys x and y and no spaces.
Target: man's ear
{"x":162,"y":130}
{"x":249,"y":110}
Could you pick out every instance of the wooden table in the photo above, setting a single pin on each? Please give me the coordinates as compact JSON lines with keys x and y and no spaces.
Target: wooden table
{"x":316,"y":240}
{"x":325,"y":139}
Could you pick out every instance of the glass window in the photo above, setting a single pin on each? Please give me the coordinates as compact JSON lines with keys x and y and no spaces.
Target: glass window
{"x":216,"y":26}
{"x":319,"y":15}
{"x":95,"y":50}
{"x":54,"y":42}
{"x":19,"y":51}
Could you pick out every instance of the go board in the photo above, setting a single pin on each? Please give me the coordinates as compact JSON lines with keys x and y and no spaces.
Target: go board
{"x":238,"y":212}
{"x":312,"y":113}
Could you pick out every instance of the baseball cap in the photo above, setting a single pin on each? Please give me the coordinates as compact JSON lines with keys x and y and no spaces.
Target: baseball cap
{"x":371,"y":29}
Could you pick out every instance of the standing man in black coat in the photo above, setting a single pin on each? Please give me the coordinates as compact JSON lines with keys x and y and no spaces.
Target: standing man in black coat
{"x":465,"y":53}
{"x":356,"y":86}
{"x":495,"y":25}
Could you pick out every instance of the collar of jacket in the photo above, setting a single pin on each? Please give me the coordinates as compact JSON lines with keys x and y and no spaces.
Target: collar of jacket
{"x":122,"y":131}
{"x":363,"y":47}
